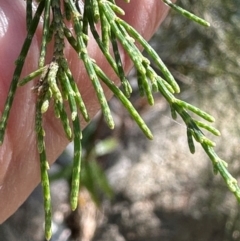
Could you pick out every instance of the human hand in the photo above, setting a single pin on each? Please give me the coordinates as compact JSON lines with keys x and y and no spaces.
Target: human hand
{"x":19,"y":161}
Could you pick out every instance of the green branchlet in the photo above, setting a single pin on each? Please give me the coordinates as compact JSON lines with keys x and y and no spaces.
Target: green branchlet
{"x":56,"y":82}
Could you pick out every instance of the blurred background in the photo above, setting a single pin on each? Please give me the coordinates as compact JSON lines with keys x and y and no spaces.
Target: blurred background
{"x":139,"y":190}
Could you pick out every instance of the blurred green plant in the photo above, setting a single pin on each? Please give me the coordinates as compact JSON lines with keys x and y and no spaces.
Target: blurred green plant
{"x":57,"y":84}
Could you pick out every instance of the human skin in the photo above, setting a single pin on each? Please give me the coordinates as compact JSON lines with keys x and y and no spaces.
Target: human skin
{"x":19,"y":161}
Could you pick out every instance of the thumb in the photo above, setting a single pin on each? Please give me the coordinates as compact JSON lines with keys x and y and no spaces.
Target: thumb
{"x":19,"y":161}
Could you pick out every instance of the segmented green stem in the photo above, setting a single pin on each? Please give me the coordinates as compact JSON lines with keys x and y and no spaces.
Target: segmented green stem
{"x":187,"y":14}
{"x":44,"y":170}
{"x":127,"y":104}
{"x":209,"y":128}
{"x":90,"y":70}
{"x":173,"y":112}
{"x":196,"y":110}
{"x":115,"y":8}
{"x":77,"y":94}
{"x":196,"y":132}
{"x":152,"y":76}
{"x":152,"y":53}
{"x":77,"y":140}
{"x":105,"y":30}
{"x":46,"y":101}
{"x":52,"y":81}
{"x":59,"y":30}
{"x":190,"y":141}
{"x":101,"y":44}
{"x":46,"y":194}
{"x":65,"y":83}
{"x":18,"y":70}
{"x":50,"y":32}
{"x":98,"y":89}
{"x":72,"y":41}
{"x":165,"y":91}
{"x":147,"y":89}
{"x":125,"y":83}
{"x":76,"y":163}
{"x":28,"y":13}
{"x":220,"y":166}
{"x":31,"y":76}
{"x":45,"y":33}
{"x":79,"y":101}
{"x":95,"y":9}
{"x":140,"y":84}
{"x":67,"y":10}
{"x":127,"y":43}
{"x":61,"y":113}
{"x":85,"y":17}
